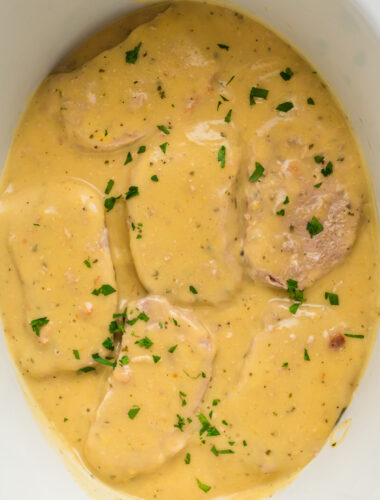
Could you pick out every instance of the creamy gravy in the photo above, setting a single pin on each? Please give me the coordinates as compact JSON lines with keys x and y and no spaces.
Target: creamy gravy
{"x":188,"y":179}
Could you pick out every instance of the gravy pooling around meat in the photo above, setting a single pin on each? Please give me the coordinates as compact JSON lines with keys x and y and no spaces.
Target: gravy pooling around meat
{"x":188,"y":255}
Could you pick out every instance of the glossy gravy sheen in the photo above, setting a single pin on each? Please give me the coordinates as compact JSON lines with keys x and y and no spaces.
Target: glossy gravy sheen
{"x":164,"y":172}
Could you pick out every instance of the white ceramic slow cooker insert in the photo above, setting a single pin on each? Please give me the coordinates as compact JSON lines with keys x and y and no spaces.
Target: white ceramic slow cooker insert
{"x":340,"y":37}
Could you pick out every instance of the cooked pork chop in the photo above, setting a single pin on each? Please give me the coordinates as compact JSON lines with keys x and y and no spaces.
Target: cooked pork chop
{"x":104,"y":109}
{"x":61,"y":313}
{"x":162,"y":373}
{"x":299,"y":225}
{"x":184,"y":223}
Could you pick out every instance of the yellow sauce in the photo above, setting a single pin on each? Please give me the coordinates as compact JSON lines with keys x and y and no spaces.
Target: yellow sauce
{"x":246,"y":389}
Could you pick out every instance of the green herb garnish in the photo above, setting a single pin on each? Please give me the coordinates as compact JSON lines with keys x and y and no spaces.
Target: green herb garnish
{"x":133,"y":412}
{"x":172,"y":348}
{"x":38,"y":323}
{"x":327,"y":170}
{"x":154,"y":178}
{"x":142,"y":149}
{"x":285,"y":106}
{"x":256,"y":92}
{"x":103,"y":290}
{"x":222,"y":156}
{"x":86,"y":369}
{"x":220,"y":452}
{"x":223,"y":46}
{"x":145,"y":342}
{"x":310,"y":101}
{"x":180,"y":423}
{"x":281,"y":212}
{"x":131,"y":55}
{"x":124,"y":361}
{"x":352,"y":336}
{"x":333,"y":298}
{"x":227,"y":118}
{"x":163,"y":147}
{"x":258,"y":172}
{"x":156,"y":359}
{"x":287,"y":74}
{"x":76,"y":354}
{"x":132,"y":191}
{"x":314,"y":227}
{"x":103,"y":361}
{"x":108,"y":344}
{"x":109,"y":203}
{"x":128,"y":158}
{"x":187,"y":458}
{"x":110,"y":184}
{"x":193,"y":290}
{"x":306,"y":356}
{"x":204,"y":487}
{"x":163,"y":129}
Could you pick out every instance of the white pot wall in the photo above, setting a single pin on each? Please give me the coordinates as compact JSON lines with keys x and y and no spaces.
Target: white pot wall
{"x":342,"y":37}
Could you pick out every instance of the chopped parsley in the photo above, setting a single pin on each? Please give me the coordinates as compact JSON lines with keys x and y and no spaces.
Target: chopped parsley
{"x":285,"y":365}
{"x":145,"y":342}
{"x":306,"y":356}
{"x":104,"y":290}
{"x":172,"y":348}
{"x":132,"y":191}
{"x":109,"y":203}
{"x":123,"y":361}
{"x":319,"y":159}
{"x":310,"y":101}
{"x":108,"y":344}
{"x":285,"y":106}
{"x":256,"y":92}
{"x":115,"y":327}
{"x":142,"y":149}
{"x":314,"y":227}
{"x":281,"y":212}
{"x":230,"y":80}
{"x":180,"y":423}
{"x":318,"y":185}
{"x":105,"y":133}
{"x":352,"y":336}
{"x":333,"y":298}
{"x":86,"y":369}
{"x":222,"y":156}
{"x":223,"y":46}
{"x":38,"y":323}
{"x":286,"y":201}
{"x":287,"y":74}
{"x":206,"y":426}
{"x":294,"y":292}
{"x":182,"y":396}
{"x":132,"y":55}
{"x":327,"y":170}
{"x":193,"y":290}
{"x":87,"y":263}
{"x":110,"y":184}
{"x":133,"y":412}
{"x":294,"y":307}
{"x":258,"y":172}
{"x":187,"y":458}
{"x":76,"y":354}
{"x":156,"y":359}
{"x":204,"y":487}
{"x":128,"y":158}
{"x":227,"y":118}
{"x":103,"y":361}
{"x":220,"y":452}
{"x":163,"y":129}
{"x":223,"y":97}
{"x":142,"y":316}
{"x":154,"y":178}
{"x":163,"y":147}
{"x":215,"y":402}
